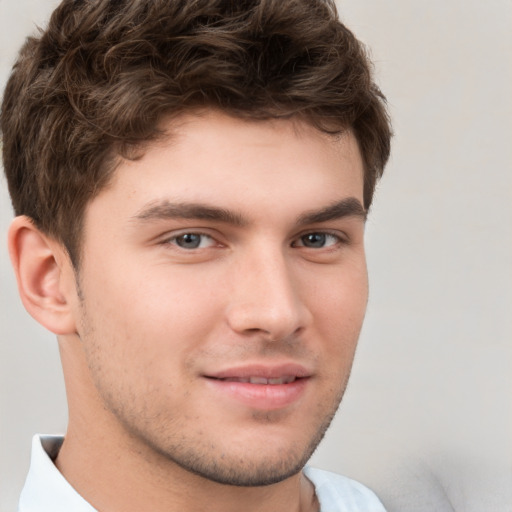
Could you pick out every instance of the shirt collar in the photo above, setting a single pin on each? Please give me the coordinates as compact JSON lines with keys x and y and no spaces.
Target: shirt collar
{"x":46,"y":490}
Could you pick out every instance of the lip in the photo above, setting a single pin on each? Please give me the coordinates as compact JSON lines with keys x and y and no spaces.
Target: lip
{"x":261,"y":396}
{"x":266,"y":371}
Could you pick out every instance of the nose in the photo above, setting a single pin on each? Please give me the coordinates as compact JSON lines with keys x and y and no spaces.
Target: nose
{"x":266,"y":298}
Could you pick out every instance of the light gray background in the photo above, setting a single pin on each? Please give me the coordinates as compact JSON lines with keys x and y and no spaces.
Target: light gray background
{"x":427,"y":420}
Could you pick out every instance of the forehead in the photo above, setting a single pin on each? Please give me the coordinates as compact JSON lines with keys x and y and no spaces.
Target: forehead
{"x":212,"y":158}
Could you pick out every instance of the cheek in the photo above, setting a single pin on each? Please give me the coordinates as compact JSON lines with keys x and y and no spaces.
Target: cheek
{"x":139,"y":336}
{"x":339,"y":307}
{"x":152,"y":315}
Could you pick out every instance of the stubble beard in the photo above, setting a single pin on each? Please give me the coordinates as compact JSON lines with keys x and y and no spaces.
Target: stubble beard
{"x":233,"y":470}
{"x":197,"y":459}
{"x":254,"y":474}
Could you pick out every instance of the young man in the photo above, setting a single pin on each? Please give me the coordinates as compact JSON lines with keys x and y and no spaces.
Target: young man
{"x":191,"y":181}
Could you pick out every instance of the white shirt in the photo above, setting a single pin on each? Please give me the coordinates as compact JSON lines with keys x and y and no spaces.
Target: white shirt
{"x":46,"y":490}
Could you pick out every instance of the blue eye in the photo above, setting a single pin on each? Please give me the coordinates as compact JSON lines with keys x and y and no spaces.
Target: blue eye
{"x":192,"y":241}
{"x":318,"y":240}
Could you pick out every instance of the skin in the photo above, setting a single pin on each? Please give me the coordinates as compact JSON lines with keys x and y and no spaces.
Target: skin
{"x":219,"y":249}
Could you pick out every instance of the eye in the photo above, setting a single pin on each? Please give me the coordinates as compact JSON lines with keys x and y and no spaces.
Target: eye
{"x":317,"y":240}
{"x":192,"y":241}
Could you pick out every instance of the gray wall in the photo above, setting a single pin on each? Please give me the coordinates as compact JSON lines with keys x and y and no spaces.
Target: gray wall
{"x":428,"y":414}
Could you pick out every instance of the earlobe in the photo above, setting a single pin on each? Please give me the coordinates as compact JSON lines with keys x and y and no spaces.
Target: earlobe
{"x":45,"y":276}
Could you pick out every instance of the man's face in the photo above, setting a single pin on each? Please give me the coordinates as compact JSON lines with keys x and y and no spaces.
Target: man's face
{"x":223,"y":286}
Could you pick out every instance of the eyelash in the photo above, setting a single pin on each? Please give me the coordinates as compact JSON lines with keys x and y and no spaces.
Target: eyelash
{"x":338,"y":239}
{"x":173,"y":239}
{"x":298,"y":242}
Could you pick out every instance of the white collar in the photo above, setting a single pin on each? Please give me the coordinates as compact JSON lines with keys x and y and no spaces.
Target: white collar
{"x":46,"y":490}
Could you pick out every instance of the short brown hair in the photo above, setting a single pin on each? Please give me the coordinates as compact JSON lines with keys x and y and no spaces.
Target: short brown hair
{"x":102,"y":75}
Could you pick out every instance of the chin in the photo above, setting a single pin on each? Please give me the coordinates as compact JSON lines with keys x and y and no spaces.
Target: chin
{"x":254,"y":462}
{"x":245,"y":472}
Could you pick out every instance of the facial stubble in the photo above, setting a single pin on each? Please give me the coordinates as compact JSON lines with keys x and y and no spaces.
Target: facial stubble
{"x":151,"y":439}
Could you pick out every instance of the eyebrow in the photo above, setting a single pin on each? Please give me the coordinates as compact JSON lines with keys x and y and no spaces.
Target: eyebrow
{"x":163,"y":210}
{"x":166,"y":210}
{"x":349,"y":207}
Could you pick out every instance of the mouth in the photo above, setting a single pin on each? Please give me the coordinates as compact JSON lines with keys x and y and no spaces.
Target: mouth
{"x":261,"y":387}
{"x":287,"y":379}
{"x":273,"y":374}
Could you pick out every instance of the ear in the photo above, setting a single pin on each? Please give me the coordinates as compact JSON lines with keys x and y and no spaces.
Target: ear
{"x":46,"y":279}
